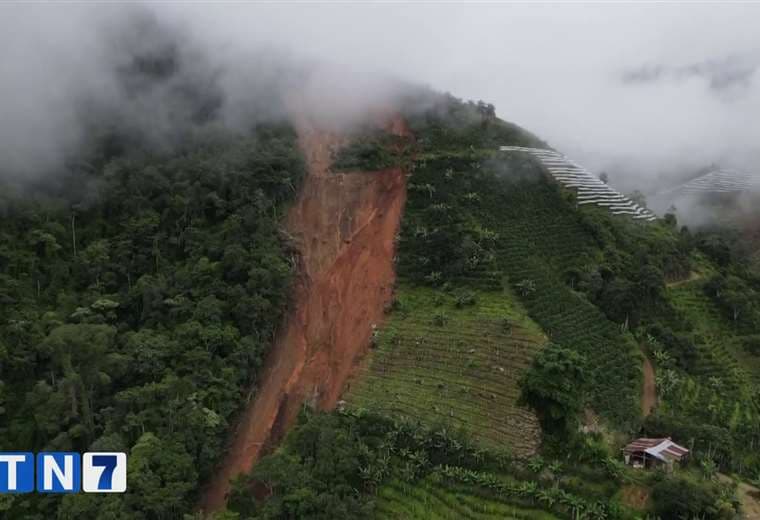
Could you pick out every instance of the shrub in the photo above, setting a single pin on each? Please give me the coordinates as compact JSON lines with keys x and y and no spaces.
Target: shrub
{"x":677,"y":497}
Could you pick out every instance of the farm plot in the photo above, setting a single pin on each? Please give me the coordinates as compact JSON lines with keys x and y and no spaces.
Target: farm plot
{"x":717,"y":181}
{"x":590,"y":189}
{"x":455,"y":366}
{"x":540,"y":239}
{"x":535,"y":237}
{"x":721,"y":354}
{"x":430,"y":499}
{"x":725,"y":372}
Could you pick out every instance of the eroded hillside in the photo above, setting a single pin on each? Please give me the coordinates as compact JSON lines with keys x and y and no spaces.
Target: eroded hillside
{"x":344,"y":226}
{"x":519,"y":306}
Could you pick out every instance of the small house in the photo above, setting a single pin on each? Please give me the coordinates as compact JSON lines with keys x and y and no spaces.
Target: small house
{"x":650,"y":453}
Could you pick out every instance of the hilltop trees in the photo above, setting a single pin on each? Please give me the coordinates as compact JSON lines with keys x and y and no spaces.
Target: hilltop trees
{"x":736,"y":297}
{"x":146,"y":339}
{"x":553,"y":386}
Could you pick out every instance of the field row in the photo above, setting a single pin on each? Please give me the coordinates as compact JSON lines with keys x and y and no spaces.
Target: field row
{"x":465,"y":371}
{"x":438,"y":501}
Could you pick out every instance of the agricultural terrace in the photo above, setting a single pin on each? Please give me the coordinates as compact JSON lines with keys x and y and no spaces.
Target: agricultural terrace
{"x":432,"y":499}
{"x":723,"y":371}
{"x":484,"y":246}
{"x":455,"y":359}
{"x":717,"y":181}
{"x":590,"y":188}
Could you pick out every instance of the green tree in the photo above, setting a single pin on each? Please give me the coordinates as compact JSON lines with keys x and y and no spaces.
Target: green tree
{"x":161,"y":475}
{"x":553,"y":387}
{"x":81,"y":353}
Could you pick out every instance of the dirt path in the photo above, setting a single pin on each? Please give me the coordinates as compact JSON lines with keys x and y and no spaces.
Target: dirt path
{"x":750,"y":498}
{"x":649,"y":390}
{"x":748,"y":495}
{"x":346,"y":225}
{"x":693,"y":276}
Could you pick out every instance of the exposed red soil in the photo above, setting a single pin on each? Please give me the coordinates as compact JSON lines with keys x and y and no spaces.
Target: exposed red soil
{"x":346,"y":224}
{"x":635,"y":496}
{"x":649,"y":390}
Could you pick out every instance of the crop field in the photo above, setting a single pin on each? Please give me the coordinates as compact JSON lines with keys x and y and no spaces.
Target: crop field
{"x":540,"y":239}
{"x":454,"y":365}
{"x":430,"y":499}
{"x":461,"y":365}
{"x":721,"y":359}
{"x":726,"y":358}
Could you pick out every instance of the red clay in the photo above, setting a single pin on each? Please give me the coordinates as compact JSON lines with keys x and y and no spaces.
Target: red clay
{"x":346,"y":224}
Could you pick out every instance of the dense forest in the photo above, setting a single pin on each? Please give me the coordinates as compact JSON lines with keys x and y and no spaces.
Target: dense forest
{"x":140,"y":293}
{"x":136,"y":311}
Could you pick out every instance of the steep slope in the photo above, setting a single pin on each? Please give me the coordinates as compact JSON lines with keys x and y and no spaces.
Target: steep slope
{"x":135,"y":310}
{"x":344,"y":224}
{"x":440,"y":361}
{"x":716,"y":181}
{"x":510,"y":292}
{"x":590,"y":189}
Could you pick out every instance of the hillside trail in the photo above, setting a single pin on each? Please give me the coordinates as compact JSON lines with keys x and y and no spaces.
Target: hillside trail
{"x":693,"y":277}
{"x":750,"y":499}
{"x":649,"y":389}
{"x":345,"y":225}
{"x":748,"y":495}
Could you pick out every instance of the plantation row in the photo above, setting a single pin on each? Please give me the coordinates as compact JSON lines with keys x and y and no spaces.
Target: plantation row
{"x":590,"y":188}
{"x":721,"y":356}
{"x":456,"y":492}
{"x":427,"y":499}
{"x":535,"y":249}
{"x":470,"y":220}
{"x":721,"y":390}
{"x":460,"y":366}
{"x":718,"y":181}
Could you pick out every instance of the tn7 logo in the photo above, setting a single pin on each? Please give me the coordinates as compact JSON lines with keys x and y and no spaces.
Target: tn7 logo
{"x":63,"y":472}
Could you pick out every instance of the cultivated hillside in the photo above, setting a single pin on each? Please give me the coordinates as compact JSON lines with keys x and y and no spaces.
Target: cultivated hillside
{"x":428,"y":315}
{"x":510,"y":366}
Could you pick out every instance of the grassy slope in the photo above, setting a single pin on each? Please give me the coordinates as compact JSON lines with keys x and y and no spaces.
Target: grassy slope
{"x":458,"y":366}
{"x":721,"y":361}
{"x":429,"y":499}
{"x":443,"y":364}
{"x":542,"y":238}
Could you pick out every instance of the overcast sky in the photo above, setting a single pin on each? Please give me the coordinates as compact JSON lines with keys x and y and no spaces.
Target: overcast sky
{"x":637,"y":88}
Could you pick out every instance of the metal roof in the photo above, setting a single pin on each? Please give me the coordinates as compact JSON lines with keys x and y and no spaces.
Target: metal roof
{"x":662,"y":449}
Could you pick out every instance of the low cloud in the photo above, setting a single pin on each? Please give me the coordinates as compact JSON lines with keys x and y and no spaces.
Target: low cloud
{"x":649,"y":93}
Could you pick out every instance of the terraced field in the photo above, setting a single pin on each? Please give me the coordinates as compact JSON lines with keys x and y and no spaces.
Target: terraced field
{"x":715,"y":358}
{"x":540,"y":239}
{"x":590,"y":189}
{"x":721,"y":355}
{"x":724,"y":371}
{"x":456,"y":366}
{"x":717,"y":181}
{"x":428,"y":499}
{"x":460,"y":366}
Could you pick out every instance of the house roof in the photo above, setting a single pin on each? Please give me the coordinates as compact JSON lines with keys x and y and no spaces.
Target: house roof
{"x":662,"y":449}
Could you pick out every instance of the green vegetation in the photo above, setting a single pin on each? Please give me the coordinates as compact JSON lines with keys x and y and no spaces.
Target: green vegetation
{"x":372,"y":150}
{"x":454,"y":358}
{"x":554,"y":385}
{"x":679,"y":496}
{"x":134,"y":317}
{"x":707,"y":373}
{"x":135,"y":313}
{"x":430,"y":498}
{"x":475,"y":221}
{"x":334,"y":465}
{"x":489,"y":251}
{"x":330,"y":465}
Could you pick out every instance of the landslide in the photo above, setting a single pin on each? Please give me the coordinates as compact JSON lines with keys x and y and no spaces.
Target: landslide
{"x":344,"y":225}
